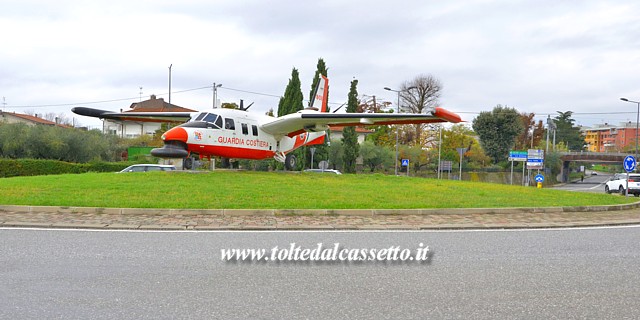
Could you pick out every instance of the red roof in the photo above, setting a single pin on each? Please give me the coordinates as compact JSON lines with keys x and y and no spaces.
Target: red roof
{"x":34,"y":119}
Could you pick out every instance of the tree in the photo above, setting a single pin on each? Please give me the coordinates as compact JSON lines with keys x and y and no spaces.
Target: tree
{"x":420,"y":95}
{"x":336,"y":152}
{"x":374,"y":156}
{"x":532,"y":133}
{"x":498,"y":131}
{"x":322,"y":150}
{"x":230,"y":105}
{"x":567,"y":132}
{"x":290,"y":103}
{"x":349,"y":136}
{"x":370,"y":104}
{"x":321,"y":69}
{"x":458,"y":136}
{"x":53,"y":142}
{"x":292,"y":100}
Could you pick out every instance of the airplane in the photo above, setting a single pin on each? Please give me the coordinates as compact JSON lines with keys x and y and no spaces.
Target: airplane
{"x":239,"y":134}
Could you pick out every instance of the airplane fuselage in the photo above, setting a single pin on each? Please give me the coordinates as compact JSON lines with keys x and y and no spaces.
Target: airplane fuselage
{"x":231,"y":133}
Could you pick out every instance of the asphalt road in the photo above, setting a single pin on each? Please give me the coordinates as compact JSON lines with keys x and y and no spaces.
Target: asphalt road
{"x":589,"y":184}
{"x":542,"y":274}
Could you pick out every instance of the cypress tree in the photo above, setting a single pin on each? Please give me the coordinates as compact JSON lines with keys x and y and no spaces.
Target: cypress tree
{"x":290,"y":103}
{"x":292,"y":100}
{"x":321,"y":69}
{"x":322,"y":150}
{"x":349,"y":136}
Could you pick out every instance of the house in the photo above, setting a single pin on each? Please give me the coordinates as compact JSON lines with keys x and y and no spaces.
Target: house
{"x":336,"y":133}
{"x":132,"y":129}
{"x":12,"y":117}
{"x":610,"y":138}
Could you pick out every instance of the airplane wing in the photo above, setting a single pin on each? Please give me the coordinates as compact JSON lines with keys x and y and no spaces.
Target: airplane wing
{"x":134,"y":116}
{"x":296,"y":123}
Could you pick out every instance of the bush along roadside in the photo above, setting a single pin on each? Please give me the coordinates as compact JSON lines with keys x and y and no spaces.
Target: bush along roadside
{"x":35,"y":167}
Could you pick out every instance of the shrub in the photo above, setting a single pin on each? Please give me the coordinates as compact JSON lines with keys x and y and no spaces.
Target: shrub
{"x":35,"y":167}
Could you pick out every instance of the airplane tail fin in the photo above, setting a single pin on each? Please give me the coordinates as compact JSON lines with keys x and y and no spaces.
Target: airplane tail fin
{"x":319,"y":99}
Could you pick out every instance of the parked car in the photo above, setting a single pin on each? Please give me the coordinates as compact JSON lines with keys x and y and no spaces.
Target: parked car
{"x":323,"y":171}
{"x":148,"y":167}
{"x":618,"y":183}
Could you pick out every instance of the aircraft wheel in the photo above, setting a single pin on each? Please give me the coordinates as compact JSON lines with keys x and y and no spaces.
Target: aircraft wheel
{"x":225,"y":162}
{"x":290,"y":162}
{"x":188,"y":163}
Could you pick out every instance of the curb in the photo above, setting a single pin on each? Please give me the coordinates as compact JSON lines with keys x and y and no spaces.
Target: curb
{"x":313,"y":212}
{"x":554,"y":225}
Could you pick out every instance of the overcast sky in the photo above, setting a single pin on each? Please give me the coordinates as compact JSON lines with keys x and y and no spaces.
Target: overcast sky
{"x":536,"y":56}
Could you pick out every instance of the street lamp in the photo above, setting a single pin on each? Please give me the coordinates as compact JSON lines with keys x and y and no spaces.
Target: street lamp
{"x":398,"y":107}
{"x":215,"y":94}
{"x":637,"y":120}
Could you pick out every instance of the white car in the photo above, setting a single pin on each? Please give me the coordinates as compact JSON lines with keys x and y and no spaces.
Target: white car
{"x":323,"y":171}
{"x":148,"y":167}
{"x":618,"y":183}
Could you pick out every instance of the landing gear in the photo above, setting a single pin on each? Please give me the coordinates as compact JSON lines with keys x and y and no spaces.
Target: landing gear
{"x":225,"y":163}
{"x":188,"y":163}
{"x":290,"y":162}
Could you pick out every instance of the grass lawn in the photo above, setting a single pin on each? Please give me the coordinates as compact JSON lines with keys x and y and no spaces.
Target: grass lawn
{"x":268,"y":190}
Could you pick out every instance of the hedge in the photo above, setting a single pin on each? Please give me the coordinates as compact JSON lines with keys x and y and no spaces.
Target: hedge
{"x":34,"y":167}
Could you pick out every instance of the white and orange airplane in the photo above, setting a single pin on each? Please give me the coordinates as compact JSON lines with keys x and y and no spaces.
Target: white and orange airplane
{"x":239,"y":134}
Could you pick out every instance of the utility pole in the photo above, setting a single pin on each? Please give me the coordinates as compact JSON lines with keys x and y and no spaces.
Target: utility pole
{"x":215,"y":94}
{"x":548,"y":129}
{"x":140,"y":93}
{"x":170,"y":82}
{"x":440,"y":151}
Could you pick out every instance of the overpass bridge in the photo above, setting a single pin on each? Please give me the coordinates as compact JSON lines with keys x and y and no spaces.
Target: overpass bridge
{"x":590,"y":157}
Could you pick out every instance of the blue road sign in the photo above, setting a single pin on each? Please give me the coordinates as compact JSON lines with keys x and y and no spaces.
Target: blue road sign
{"x":539,"y":178}
{"x":629,"y":163}
{"x":405,"y":162}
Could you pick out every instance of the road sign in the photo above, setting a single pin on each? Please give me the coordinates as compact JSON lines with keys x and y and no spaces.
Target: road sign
{"x":539,"y":178}
{"x":517,"y":155}
{"x":405,"y":162}
{"x":446,"y":165}
{"x":535,"y":159}
{"x":629,"y":163}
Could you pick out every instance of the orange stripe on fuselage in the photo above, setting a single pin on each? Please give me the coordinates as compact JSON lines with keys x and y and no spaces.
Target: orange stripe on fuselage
{"x":230,"y":152}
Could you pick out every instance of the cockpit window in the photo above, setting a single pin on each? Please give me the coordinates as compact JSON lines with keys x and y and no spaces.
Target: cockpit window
{"x":200,"y":116}
{"x":211,"y":117}
{"x":212,"y":120}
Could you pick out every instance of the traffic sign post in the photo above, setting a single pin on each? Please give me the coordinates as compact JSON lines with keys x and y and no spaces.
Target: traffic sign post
{"x":405,"y":163}
{"x":517,"y":156}
{"x":629,"y":163}
{"x":539,"y":179}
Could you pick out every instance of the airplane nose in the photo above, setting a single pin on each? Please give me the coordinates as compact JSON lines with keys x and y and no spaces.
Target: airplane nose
{"x":175,"y":134}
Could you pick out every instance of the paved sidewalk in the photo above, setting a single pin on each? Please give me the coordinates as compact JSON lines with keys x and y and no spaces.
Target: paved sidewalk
{"x":150,"y":219}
